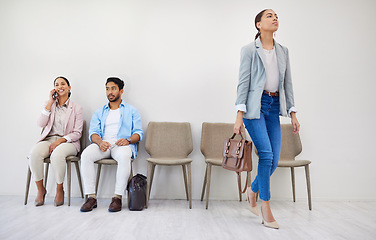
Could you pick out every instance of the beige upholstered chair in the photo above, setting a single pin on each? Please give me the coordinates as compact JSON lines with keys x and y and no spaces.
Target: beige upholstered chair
{"x":169,"y":144}
{"x":290,"y":148}
{"x":69,"y":159}
{"x":213,"y":136}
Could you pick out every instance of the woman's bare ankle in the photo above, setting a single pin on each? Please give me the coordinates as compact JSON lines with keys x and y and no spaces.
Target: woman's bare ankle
{"x":267,"y":212}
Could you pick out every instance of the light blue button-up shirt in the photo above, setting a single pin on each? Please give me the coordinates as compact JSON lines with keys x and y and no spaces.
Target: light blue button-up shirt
{"x":129,"y":124}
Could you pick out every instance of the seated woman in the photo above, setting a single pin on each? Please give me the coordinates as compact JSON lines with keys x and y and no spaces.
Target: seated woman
{"x":62,"y":122}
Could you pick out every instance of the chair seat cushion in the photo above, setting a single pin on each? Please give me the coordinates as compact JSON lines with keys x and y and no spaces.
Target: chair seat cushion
{"x":73,"y":158}
{"x":214,"y":161}
{"x":293,"y":163}
{"x":169,"y":161}
{"x":69,"y":158}
{"x":106,"y":161}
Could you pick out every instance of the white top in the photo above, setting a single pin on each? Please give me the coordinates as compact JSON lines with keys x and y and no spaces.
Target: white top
{"x":111,"y":126}
{"x":272,"y":72}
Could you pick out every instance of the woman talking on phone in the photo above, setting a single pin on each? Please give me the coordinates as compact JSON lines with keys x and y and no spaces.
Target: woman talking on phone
{"x":264,"y":93}
{"x":61,"y":120}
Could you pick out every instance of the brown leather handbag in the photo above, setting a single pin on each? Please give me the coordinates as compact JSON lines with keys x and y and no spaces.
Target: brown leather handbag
{"x":237,"y":157}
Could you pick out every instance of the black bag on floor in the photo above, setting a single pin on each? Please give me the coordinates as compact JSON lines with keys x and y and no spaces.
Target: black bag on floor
{"x":137,"y":193}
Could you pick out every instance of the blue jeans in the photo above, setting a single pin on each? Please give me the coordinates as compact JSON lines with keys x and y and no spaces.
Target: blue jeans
{"x":266,"y":136}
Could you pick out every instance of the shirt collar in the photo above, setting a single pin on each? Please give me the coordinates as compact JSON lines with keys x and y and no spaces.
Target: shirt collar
{"x":122,"y":104}
{"x":64,"y":105}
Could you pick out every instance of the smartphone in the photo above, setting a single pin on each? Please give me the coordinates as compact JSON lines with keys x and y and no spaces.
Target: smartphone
{"x":54,"y":96}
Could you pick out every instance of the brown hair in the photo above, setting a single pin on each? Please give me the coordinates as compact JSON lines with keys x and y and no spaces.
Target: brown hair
{"x":258,"y":19}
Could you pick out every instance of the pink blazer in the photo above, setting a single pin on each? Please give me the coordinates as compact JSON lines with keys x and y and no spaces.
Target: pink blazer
{"x":73,"y":123}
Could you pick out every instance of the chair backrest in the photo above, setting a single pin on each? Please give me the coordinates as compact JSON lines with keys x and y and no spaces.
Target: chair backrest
{"x":169,"y":139}
{"x":83,"y":138}
{"x":291,"y":145}
{"x":213,"y":136}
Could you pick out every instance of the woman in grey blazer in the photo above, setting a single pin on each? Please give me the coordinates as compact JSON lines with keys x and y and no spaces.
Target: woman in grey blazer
{"x":264,"y":93}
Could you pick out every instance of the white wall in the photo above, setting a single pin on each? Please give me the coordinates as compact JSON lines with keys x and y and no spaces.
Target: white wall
{"x":180,"y":62}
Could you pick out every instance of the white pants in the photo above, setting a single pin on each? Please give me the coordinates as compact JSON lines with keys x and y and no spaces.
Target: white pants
{"x":121,"y":154}
{"x":41,"y":150}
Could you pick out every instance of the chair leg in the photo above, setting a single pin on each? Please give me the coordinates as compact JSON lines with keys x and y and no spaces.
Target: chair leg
{"x":79,"y":178}
{"x":69,"y":175}
{"x":204,"y":185}
{"x":189,"y":184}
{"x":308,"y":187}
{"x":28,"y":179}
{"x":152,"y":176}
{"x":98,"y":175}
{"x":208,"y":177}
{"x":148,"y":183}
{"x":46,"y":174}
{"x":185,"y":181}
{"x":293,"y":183}
{"x":131,"y":175}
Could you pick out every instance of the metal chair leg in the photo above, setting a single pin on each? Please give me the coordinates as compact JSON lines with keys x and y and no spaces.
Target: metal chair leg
{"x":208,"y":177}
{"x":46,"y":174}
{"x":190,"y":184}
{"x":69,"y":180}
{"x":204,"y":185}
{"x":98,"y":175}
{"x":152,"y":176}
{"x":131,"y":175}
{"x":148,"y":183}
{"x":28,"y":179}
{"x":308,"y":187}
{"x":185,"y":181}
{"x":293,"y":183}
{"x":79,"y":178}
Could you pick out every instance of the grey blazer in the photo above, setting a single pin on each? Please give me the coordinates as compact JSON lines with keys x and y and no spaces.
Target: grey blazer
{"x":252,"y":78}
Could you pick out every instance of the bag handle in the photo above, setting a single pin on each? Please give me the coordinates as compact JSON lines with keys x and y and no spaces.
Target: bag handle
{"x":241,"y":135}
{"x":240,"y":183}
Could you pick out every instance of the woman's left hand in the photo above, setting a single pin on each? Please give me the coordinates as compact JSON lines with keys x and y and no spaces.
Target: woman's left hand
{"x":56,"y":143}
{"x":295,"y":123}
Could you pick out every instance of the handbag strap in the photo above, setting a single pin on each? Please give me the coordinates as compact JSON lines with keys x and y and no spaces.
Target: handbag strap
{"x":233,"y":135}
{"x":240,"y":183}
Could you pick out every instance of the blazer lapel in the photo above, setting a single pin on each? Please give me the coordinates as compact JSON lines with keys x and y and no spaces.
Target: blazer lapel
{"x":281,"y":60}
{"x":260,"y":50}
{"x":53,"y":106}
{"x":67,"y":116}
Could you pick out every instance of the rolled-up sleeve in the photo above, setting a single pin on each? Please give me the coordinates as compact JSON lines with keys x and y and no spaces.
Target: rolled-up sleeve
{"x":244,"y":79}
{"x":44,"y":117}
{"x":137,"y":123}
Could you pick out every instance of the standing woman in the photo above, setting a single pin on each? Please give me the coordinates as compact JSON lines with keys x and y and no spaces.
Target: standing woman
{"x":264,"y":93}
{"x":61,"y":120}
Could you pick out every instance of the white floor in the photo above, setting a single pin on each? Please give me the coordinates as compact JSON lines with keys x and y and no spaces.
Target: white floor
{"x":172,"y":219}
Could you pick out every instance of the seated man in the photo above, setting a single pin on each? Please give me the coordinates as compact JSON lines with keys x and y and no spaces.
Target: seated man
{"x":114,"y":131}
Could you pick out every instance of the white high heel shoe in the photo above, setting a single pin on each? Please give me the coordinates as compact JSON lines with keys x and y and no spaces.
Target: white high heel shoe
{"x":254,"y":210}
{"x":269,"y":224}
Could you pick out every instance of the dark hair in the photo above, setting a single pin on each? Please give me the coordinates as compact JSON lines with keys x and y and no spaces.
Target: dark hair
{"x":117,"y":81}
{"x":258,"y":19}
{"x":66,"y":80}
